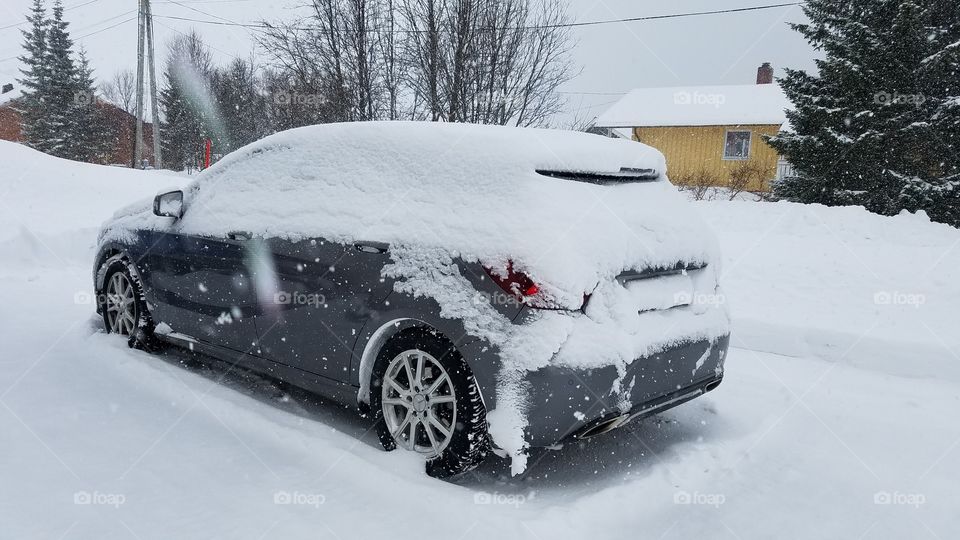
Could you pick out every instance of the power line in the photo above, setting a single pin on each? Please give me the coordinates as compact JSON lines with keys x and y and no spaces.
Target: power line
{"x":211,"y":47}
{"x":115,"y":17}
{"x":200,"y":11}
{"x":14,"y":25}
{"x":263,"y":26}
{"x":112,"y":26}
{"x":77,"y":38}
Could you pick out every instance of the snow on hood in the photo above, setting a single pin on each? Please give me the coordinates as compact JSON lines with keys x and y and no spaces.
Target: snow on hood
{"x":471,"y":190}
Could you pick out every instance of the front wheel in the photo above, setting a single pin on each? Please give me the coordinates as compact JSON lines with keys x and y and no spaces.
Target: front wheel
{"x":429,"y":403}
{"x":123,"y":306}
{"x":121,"y":309}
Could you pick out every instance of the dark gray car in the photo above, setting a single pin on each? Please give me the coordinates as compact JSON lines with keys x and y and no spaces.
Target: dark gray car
{"x":336,"y":324}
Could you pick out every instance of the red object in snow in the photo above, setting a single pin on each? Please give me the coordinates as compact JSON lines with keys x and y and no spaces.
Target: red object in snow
{"x":206,"y":154}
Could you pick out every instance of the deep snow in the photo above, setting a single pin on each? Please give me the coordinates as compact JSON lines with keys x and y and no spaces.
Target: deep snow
{"x":852,"y":434}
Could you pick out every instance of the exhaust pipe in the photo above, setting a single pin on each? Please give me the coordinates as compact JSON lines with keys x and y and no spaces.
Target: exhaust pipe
{"x":712,"y":386}
{"x":604,"y":427}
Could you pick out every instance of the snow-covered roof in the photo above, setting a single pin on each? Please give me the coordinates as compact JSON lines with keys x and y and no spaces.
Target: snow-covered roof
{"x":698,"y":106}
{"x":9,"y":96}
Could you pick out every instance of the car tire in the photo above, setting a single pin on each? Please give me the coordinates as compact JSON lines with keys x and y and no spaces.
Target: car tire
{"x":468,"y":442}
{"x":124,"y":307}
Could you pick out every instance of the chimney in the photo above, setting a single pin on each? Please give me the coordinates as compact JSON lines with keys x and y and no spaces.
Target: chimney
{"x":765,"y":74}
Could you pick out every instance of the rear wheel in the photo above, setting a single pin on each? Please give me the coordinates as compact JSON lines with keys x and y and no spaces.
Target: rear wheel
{"x":429,"y":403}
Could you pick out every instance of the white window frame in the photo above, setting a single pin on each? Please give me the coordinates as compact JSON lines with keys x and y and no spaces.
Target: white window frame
{"x":726,"y":136}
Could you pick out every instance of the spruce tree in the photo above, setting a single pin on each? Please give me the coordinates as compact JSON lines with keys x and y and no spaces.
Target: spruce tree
{"x":37,"y":130}
{"x":61,"y":82}
{"x":935,"y":187}
{"x":876,"y":126}
{"x":242,"y":105}
{"x":186,"y":102}
{"x":91,"y":138}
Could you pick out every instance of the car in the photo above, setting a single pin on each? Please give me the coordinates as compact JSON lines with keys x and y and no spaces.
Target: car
{"x":472,"y":288}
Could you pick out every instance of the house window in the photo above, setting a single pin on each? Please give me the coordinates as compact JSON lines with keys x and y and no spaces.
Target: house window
{"x":737,"y":145}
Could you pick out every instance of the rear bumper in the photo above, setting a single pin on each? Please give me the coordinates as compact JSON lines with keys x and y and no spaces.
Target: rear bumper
{"x":568,"y":403}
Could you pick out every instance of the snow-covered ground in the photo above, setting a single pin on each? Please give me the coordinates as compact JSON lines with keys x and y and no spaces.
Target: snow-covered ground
{"x":837,"y":416}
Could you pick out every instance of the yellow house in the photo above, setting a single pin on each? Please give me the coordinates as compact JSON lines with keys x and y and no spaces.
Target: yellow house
{"x":709,"y":134}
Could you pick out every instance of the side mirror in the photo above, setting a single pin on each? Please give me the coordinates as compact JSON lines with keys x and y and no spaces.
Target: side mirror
{"x":169,"y":204}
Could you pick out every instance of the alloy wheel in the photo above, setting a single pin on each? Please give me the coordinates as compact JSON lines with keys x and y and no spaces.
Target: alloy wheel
{"x":419,"y":403}
{"x":121,"y":305}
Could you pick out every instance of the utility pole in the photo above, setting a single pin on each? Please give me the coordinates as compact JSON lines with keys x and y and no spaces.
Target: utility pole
{"x":145,"y":48}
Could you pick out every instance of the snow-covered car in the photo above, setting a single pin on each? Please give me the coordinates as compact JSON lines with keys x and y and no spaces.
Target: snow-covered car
{"x":471,"y":287}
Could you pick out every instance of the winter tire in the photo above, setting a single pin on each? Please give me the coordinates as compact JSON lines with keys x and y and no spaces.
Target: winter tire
{"x":123,"y":306}
{"x":427,"y":401}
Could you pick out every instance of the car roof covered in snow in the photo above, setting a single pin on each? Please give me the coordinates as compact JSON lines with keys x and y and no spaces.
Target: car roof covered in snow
{"x":698,"y":106}
{"x":454,"y":152}
{"x":472,"y":191}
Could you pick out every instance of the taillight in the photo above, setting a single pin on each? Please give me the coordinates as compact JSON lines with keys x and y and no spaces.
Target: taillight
{"x":519,"y":286}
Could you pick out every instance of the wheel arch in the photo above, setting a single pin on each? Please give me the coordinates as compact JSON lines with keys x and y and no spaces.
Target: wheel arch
{"x":395,"y":327}
{"x":105,"y":256}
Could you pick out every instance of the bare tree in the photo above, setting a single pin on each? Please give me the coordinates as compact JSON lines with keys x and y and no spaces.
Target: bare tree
{"x":423,"y":22}
{"x":388,"y":46}
{"x":489,"y":61}
{"x":122,"y":90}
{"x":483,"y":61}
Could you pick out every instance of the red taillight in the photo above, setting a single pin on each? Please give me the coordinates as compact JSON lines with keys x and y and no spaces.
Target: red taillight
{"x":514,"y":282}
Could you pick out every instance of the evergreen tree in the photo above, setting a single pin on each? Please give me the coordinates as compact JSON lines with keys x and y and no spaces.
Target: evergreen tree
{"x":936,"y":188}
{"x":37,"y":131}
{"x":91,"y":137}
{"x":877,"y":126}
{"x":243,"y":106}
{"x":61,"y":84}
{"x":189,"y":110}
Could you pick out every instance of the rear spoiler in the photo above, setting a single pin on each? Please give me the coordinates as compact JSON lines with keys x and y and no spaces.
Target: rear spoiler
{"x":626,"y":175}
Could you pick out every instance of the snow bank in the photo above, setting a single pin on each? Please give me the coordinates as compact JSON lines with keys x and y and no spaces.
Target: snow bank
{"x":842,"y":284}
{"x":52,"y":208}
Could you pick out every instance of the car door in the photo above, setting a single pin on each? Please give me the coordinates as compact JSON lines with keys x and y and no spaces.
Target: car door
{"x":326,"y":292}
{"x":200,"y":287}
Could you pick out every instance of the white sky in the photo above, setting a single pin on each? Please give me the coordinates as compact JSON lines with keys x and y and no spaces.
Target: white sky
{"x":715,"y":49}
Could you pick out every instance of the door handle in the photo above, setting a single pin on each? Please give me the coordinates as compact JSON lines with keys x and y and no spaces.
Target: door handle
{"x":371,"y":247}
{"x":239,"y":236}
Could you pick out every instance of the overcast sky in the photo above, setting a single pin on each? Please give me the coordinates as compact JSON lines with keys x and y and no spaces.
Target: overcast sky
{"x":714,"y":49}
